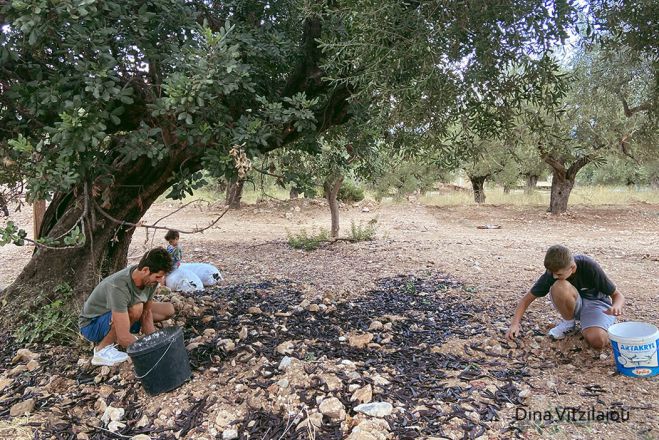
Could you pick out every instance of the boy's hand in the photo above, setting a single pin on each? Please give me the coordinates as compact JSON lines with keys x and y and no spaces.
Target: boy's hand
{"x":614,"y":310}
{"x":513,"y":331}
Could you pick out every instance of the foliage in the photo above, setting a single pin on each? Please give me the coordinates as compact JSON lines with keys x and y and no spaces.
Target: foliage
{"x":361,"y":232}
{"x":350,"y":192}
{"x":55,"y":322}
{"x":308,"y":241}
{"x":406,"y":175}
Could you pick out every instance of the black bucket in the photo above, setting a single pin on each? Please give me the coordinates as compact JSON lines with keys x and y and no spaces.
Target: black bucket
{"x":160,"y":360}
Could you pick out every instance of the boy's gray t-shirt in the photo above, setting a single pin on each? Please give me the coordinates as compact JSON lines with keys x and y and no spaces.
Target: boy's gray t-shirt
{"x":115,"y":293}
{"x":590,"y":280}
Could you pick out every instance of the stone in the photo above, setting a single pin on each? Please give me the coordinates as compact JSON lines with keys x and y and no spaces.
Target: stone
{"x":115,"y":426}
{"x":363,"y":395}
{"x":375,"y":325}
{"x":229,"y":434}
{"x":365,"y":209}
{"x":375,"y":409}
{"x":142,"y":422}
{"x":24,"y":355}
{"x":311,"y":423}
{"x":254,"y":311}
{"x":243,"y":333}
{"x":332,"y":381}
{"x":4,"y":383}
{"x":32,"y":365}
{"x":17,"y":370}
{"x":525,"y":393}
{"x":359,"y":340}
{"x":140,"y":437}
{"x":285,"y":348}
{"x":112,"y":414}
{"x":370,"y":429}
{"x":227,"y":344}
{"x":22,"y":408}
{"x":314,"y":308}
{"x":286,"y":362}
{"x":333,"y":408}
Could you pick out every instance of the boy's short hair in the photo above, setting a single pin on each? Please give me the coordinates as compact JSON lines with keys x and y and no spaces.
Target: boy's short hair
{"x":558,"y":257}
{"x":171,"y":235}
{"x":156,"y":259}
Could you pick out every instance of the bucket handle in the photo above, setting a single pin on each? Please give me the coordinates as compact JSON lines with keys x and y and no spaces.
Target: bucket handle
{"x":158,"y":361}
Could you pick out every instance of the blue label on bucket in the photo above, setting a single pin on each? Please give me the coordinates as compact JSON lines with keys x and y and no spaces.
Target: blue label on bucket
{"x":636,"y":360}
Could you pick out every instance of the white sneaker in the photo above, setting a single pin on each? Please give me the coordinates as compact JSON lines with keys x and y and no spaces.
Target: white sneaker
{"x":562,"y":329}
{"x":109,"y":355}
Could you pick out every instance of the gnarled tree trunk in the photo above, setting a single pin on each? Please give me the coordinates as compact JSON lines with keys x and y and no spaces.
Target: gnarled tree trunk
{"x":531,"y":183}
{"x":563,"y":181}
{"x":332,"y":187}
{"x":478,"y":185}
{"x":561,"y":187}
{"x":235,"y":194}
{"x":137,"y":185}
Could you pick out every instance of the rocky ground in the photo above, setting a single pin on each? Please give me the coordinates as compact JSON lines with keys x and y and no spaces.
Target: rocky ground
{"x":397,"y":338}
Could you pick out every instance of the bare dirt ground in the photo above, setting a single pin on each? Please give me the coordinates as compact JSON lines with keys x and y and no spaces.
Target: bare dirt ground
{"x":487,"y":269}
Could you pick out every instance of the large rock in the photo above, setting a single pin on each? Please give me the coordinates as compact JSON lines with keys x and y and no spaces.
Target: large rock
{"x":375,"y":409}
{"x":363,"y":395}
{"x":359,"y":340}
{"x":372,"y":429}
{"x":22,"y":408}
{"x":332,"y":381}
{"x":333,"y":408}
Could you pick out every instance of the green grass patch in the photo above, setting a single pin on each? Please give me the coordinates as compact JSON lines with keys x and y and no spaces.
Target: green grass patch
{"x":308,"y":241}
{"x":363,"y":232}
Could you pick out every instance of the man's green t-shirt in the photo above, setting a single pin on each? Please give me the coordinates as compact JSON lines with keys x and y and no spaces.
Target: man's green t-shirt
{"x":115,"y":293}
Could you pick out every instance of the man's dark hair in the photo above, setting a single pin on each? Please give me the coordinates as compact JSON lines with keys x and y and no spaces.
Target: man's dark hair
{"x":171,"y":235}
{"x":557,"y":258}
{"x":156,"y":259}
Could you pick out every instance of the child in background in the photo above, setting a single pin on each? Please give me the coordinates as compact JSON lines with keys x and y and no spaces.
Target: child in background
{"x":173,"y":248}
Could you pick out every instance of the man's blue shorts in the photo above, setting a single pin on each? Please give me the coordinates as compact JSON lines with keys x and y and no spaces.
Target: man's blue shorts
{"x":100,"y":326}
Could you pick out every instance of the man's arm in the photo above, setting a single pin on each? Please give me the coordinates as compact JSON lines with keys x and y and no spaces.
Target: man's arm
{"x":618,"y":301}
{"x":121,"y":324}
{"x":522,"y":305}
{"x":147,"y":318}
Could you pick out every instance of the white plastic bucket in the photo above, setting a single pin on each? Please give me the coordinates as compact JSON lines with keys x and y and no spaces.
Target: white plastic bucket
{"x":635,"y":348}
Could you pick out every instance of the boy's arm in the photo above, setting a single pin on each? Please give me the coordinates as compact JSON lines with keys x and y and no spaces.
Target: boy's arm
{"x":618,"y":301}
{"x":522,"y":305}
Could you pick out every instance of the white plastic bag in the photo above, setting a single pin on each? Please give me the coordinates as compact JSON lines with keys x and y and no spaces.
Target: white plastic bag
{"x":183,"y":280}
{"x":207,"y":273}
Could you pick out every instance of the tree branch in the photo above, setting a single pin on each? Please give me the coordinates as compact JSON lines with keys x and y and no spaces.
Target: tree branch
{"x":629,"y":112}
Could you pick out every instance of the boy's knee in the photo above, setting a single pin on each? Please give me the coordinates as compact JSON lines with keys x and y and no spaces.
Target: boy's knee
{"x":562,"y":287}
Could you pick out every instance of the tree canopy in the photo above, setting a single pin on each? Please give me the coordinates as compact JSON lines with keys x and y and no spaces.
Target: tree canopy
{"x":104,"y":106}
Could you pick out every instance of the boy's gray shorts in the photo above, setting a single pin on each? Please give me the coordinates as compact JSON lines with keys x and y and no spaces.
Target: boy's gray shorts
{"x":590,"y":312}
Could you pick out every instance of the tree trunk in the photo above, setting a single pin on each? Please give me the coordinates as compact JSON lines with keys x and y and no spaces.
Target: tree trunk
{"x":3,"y":206}
{"x":478,"y":184}
{"x":137,"y":185}
{"x":531,"y":183}
{"x":332,"y":186}
{"x":561,"y":187}
{"x":293,"y":194}
{"x":38,"y":212}
{"x":563,"y":180}
{"x":235,"y":194}
{"x":506,"y":189}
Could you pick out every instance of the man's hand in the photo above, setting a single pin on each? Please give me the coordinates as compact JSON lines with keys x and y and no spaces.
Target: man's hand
{"x":513,"y":331}
{"x":614,"y":310}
